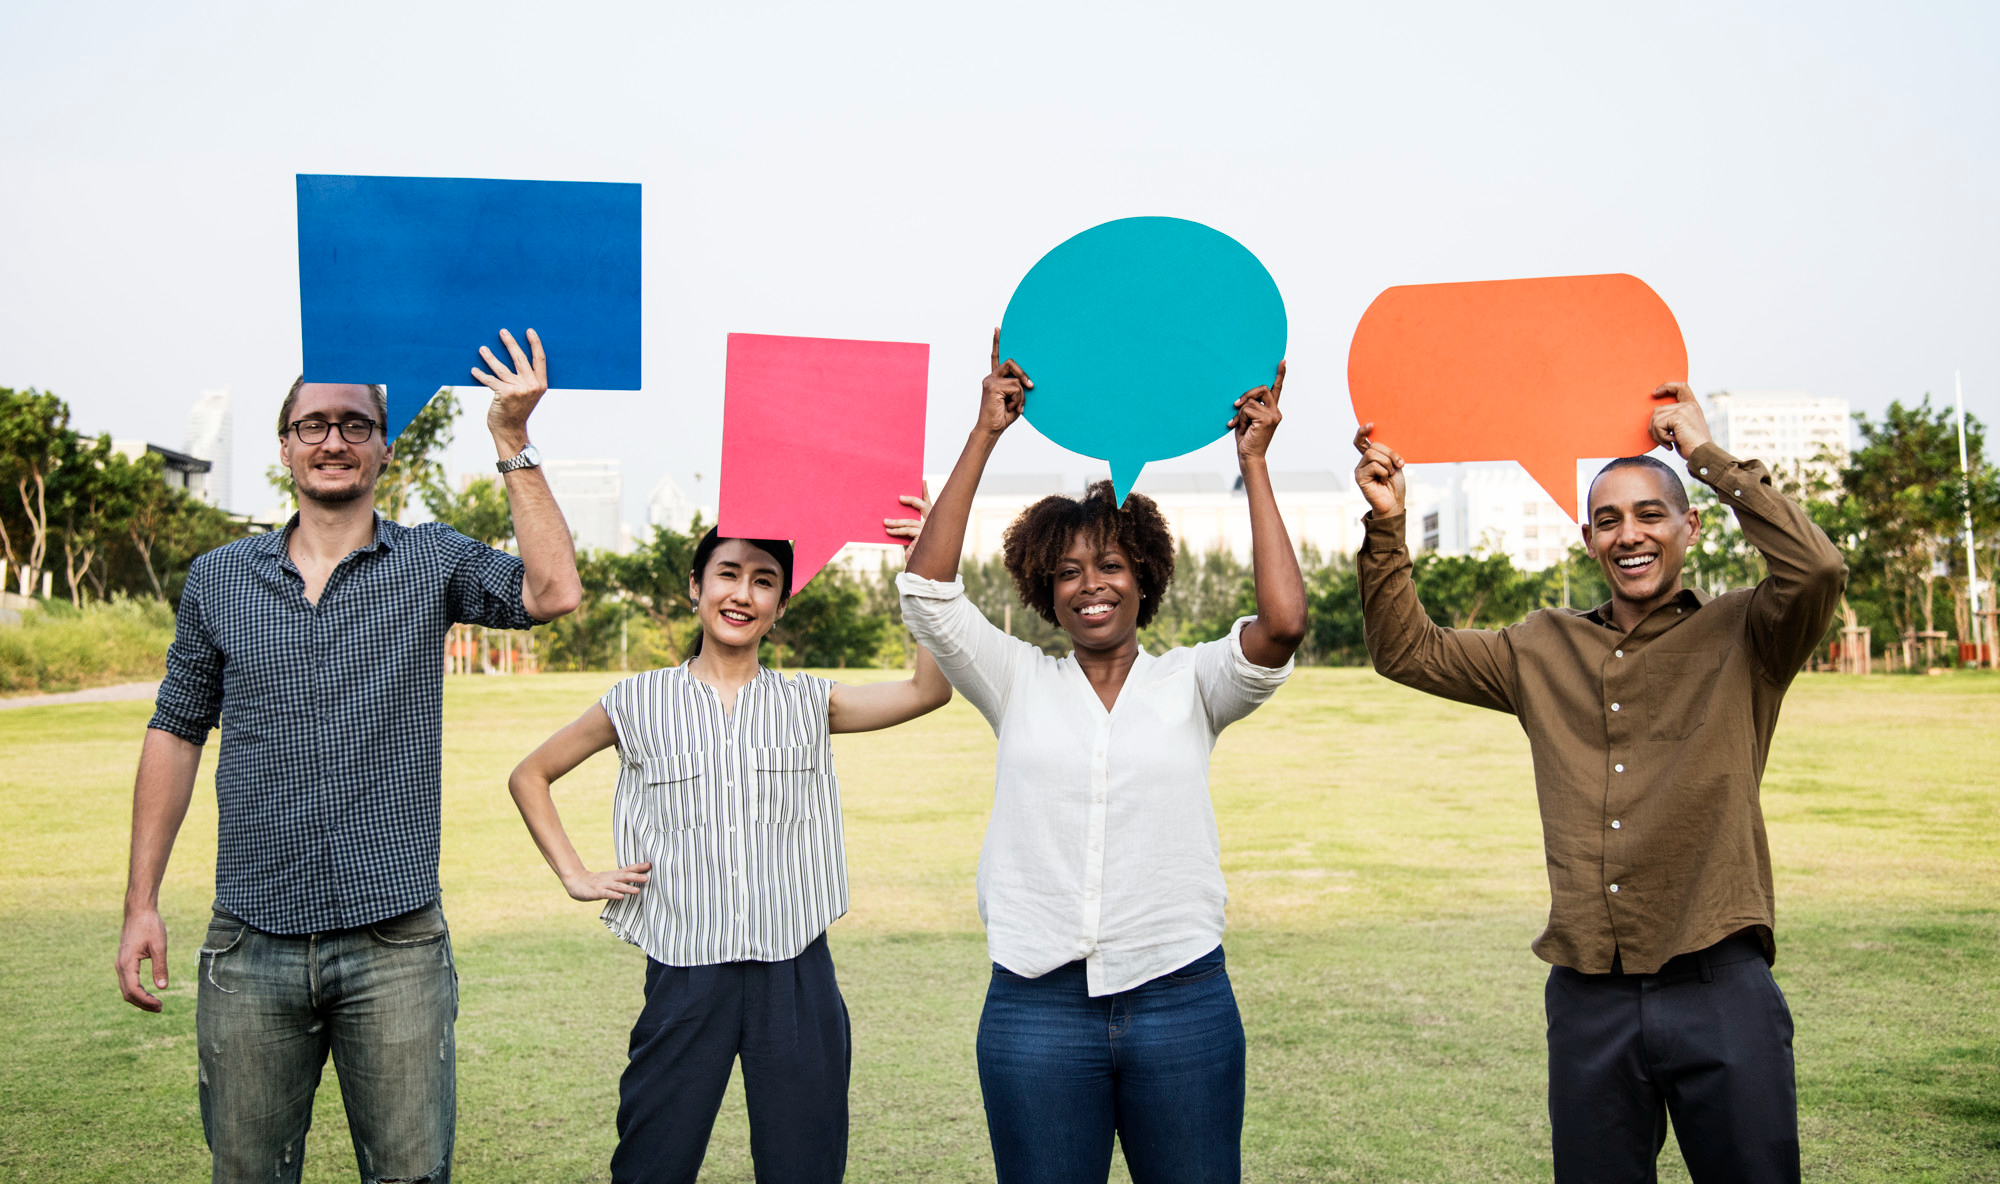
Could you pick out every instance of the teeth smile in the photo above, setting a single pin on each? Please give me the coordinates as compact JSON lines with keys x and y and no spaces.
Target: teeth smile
{"x":1635,"y":561}
{"x":1094,"y":610}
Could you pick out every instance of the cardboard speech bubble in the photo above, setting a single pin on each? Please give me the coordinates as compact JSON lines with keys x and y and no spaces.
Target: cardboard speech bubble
{"x":401,"y":279}
{"x":1541,"y":371}
{"x":1139,"y":335}
{"x":820,"y":437}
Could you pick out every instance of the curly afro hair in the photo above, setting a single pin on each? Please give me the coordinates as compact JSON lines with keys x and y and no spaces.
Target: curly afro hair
{"x":1037,"y":540}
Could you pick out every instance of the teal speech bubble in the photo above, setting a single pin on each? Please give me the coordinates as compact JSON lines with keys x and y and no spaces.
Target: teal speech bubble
{"x":1139,"y":335}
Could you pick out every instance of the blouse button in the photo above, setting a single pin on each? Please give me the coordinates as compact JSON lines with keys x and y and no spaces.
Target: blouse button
{"x":1614,"y":824}
{"x":1614,"y":707}
{"x":1614,"y":887}
{"x":1617,"y":769}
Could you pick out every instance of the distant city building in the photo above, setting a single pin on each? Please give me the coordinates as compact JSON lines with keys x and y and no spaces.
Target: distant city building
{"x":184,"y":472}
{"x":1495,"y":507}
{"x":210,"y":435}
{"x":669,"y":506}
{"x":589,"y":492}
{"x":1793,"y":433}
{"x":1207,"y":511}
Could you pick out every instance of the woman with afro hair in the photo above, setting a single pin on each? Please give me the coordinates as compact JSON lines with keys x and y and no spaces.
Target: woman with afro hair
{"x":1109,"y":1013}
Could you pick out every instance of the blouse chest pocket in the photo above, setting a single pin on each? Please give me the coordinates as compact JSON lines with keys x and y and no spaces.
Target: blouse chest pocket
{"x":673,"y":791}
{"x":787,"y":782}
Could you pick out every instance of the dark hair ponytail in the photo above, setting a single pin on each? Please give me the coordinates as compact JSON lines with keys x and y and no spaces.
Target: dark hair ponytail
{"x":778,"y":549}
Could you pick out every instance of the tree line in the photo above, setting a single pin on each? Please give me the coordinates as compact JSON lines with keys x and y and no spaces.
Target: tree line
{"x":105,"y":525}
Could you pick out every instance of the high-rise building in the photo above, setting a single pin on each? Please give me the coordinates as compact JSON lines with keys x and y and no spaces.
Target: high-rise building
{"x":1496,"y":507}
{"x":1793,"y":433}
{"x":670,"y":506}
{"x":589,"y":493}
{"x":210,"y":436}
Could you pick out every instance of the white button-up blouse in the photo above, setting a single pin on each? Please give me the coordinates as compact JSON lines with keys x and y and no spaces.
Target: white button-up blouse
{"x":1102,"y":845}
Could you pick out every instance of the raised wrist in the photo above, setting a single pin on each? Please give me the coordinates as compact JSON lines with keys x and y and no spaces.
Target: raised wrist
{"x":509,"y":441}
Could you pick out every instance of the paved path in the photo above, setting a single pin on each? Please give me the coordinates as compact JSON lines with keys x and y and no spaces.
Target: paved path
{"x":124,"y":690}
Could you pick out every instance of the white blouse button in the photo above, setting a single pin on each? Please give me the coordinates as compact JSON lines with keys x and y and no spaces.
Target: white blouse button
{"x":1614,"y":707}
{"x":1614,"y":824}
{"x":1617,"y":769}
{"x":1619,"y":653}
{"x":1614,"y":887}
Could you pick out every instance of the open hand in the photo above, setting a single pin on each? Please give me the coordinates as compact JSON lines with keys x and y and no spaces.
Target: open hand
{"x":910,"y":529}
{"x":1004,"y":393}
{"x":1379,"y":474}
{"x":1257,"y":418}
{"x":624,"y":882}
{"x":516,"y":390}
{"x":1679,"y":425}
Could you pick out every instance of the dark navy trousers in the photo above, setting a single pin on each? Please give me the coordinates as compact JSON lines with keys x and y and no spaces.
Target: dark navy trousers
{"x":787,"y":1022}
{"x":1707,"y":1041}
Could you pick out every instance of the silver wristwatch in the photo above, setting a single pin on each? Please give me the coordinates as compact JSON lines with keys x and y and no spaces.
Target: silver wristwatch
{"x":527,"y":458}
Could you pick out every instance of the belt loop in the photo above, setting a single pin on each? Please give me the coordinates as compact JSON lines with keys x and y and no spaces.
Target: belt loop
{"x":1701,"y":961}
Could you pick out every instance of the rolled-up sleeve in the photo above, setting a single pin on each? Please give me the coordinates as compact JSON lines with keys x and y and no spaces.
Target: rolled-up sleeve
{"x":1232,"y":686}
{"x":483,"y":585}
{"x":190,"y":697}
{"x":978,"y":658}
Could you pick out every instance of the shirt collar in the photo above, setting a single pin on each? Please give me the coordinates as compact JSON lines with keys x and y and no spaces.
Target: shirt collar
{"x":1686,"y":599}
{"x":277,"y":543}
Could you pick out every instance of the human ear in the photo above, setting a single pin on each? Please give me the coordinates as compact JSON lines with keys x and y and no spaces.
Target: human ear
{"x":1588,"y":549}
{"x":1694,"y":526}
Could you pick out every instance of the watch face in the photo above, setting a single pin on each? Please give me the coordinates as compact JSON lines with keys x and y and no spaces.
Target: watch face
{"x":531,"y":455}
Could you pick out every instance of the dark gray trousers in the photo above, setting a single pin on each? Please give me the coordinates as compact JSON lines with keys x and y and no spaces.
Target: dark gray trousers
{"x":788,"y":1023}
{"x":1707,"y":1041}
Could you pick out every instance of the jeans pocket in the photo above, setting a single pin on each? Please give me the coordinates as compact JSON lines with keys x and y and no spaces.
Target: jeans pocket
{"x":1200,"y":970}
{"x":419,"y":927}
{"x":225,"y":934}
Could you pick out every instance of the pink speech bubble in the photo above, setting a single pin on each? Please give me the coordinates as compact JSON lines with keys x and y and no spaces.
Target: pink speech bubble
{"x":820,"y":437}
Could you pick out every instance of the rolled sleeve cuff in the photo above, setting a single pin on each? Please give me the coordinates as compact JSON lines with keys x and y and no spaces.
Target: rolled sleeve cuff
{"x":1250,"y":674}
{"x":174,"y":724}
{"x":912,"y":584}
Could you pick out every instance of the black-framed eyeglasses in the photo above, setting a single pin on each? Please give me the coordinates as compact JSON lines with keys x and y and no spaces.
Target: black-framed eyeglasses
{"x":313,"y":431}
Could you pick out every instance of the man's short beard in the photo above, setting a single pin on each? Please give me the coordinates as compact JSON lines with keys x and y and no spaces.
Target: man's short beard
{"x":338,"y":497}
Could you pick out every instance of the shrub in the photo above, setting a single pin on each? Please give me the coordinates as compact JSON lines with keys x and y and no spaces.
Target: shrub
{"x":60,"y":648}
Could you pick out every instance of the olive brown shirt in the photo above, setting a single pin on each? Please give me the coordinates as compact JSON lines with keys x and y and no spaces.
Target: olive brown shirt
{"x":1648,"y":746}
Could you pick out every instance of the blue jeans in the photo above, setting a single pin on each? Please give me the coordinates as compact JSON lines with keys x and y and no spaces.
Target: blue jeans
{"x":1160,"y":1066}
{"x":381,"y":998}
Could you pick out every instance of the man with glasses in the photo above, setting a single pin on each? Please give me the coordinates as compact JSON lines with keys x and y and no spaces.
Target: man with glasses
{"x":319,"y":650}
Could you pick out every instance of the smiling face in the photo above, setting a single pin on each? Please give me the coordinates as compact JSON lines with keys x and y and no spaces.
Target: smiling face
{"x":1639,"y":533}
{"x":740,"y":594}
{"x":1096,"y":594}
{"x":334,"y":471}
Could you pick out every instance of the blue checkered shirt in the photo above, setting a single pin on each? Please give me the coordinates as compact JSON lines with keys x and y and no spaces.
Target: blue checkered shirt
{"x":331,"y":715}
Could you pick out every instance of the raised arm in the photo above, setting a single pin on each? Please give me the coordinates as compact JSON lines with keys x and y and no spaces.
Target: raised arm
{"x":1473,"y":666}
{"x":589,"y":734}
{"x":1274,"y":636}
{"x":1792,"y":607}
{"x":1002,"y":396}
{"x":550,"y":587}
{"x":886,"y":704}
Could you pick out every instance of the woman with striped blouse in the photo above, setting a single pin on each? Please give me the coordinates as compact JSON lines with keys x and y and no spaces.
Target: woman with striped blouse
{"x":727,"y":823}
{"x":1109,"y":1013}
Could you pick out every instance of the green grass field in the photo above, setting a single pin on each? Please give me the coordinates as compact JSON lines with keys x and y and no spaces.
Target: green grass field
{"x":1385,"y":871}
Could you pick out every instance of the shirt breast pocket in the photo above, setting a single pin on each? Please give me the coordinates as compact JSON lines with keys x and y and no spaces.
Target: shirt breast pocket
{"x":674,"y":797}
{"x":1171,"y":699}
{"x":787,"y":782}
{"x":1678,"y":689}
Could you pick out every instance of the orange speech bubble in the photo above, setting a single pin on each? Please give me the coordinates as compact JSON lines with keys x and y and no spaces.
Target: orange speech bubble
{"x":1543,"y":371}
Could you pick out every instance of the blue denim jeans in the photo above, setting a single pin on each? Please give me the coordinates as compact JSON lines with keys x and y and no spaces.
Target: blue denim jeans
{"x":1159,"y":1066}
{"x":381,"y":998}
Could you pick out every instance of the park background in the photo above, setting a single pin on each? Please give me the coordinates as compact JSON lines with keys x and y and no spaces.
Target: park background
{"x":1810,"y":190}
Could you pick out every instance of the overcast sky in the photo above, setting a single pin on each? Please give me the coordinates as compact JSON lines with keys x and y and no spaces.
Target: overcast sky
{"x":1811,"y":188}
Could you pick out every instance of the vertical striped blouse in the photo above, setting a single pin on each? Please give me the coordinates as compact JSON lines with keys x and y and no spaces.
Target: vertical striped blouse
{"x":738,"y":812}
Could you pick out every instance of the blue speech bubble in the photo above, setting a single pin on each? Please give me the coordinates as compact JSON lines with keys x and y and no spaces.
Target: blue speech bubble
{"x":1139,"y":335}
{"x":402,"y":279}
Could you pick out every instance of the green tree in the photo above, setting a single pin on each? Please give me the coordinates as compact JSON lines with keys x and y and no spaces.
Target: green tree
{"x":1902,"y":509}
{"x":34,"y":437}
{"x":94,"y":492}
{"x":826,"y":624}
{"x":1476,"y":591}
{"x":479,"y":510}
{"x":654,"y":578}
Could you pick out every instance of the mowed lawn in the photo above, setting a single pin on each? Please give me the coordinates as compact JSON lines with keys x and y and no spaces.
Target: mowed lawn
{"x":1385,"y":874}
